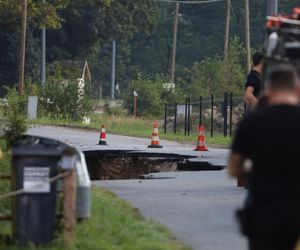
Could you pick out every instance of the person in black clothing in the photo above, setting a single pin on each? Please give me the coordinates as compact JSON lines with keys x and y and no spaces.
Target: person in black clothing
{"x":253,"y":83}
{"x":266,"y":148}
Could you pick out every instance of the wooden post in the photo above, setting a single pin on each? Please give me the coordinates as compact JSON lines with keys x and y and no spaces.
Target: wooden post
{"x":227,"y":28}
{"x":69,"y":212}
{"x":185,"y":116}
{"x":247,"y":32}
{"x":189,"y":117}
{"x":22,"y":47}
{"x":174,"y":44}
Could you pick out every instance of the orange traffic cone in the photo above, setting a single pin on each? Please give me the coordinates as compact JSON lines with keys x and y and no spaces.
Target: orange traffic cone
{"x":155,"y":137}
{"x":102,"y":139}
{"x":201,"y":140}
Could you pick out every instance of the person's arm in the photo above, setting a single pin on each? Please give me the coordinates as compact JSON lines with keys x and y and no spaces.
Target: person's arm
{"x":238,"y":158}
{"x":249,"y":98}
{"x":235,"y":164}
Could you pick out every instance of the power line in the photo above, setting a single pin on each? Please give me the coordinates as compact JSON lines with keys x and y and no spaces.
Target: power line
{"x":191,"y":2}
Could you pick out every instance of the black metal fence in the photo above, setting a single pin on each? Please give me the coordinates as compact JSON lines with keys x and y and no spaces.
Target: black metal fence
{"x":219,"y":115}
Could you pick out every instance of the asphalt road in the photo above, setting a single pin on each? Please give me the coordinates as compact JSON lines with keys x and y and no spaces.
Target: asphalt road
{"x":197,"y":206}
{"x":88,"y":140}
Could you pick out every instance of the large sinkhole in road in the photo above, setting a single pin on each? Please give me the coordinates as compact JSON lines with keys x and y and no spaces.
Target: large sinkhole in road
{"x":130,"y":164}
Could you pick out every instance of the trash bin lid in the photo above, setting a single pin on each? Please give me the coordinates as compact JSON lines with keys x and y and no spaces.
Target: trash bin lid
{"x":31,"y":145}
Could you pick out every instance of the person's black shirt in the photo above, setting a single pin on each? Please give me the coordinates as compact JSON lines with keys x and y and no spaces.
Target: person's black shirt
{"x":254,"y":80}
{"x":270,"y":137}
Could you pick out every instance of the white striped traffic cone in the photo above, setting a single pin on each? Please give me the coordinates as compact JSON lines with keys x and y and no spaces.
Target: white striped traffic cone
{"x":155,"y":137}
{"x":102,"y":139}
{"x":201,"y":140}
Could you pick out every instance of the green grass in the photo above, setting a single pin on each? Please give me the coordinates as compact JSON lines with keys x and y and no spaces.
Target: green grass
{"x":5,"y":186}
{"x":140,"y":127}
{"x":115,"y":225}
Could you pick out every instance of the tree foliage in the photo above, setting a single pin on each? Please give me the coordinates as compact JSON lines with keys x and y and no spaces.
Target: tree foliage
{"x":39,"y":14}
{"x":89,"y":22}
{"x":143,"y":29}
{"x":151,"y":95}
{"x":60,"y":98}
{"x":15,"y":116}
{"x":215,"y":75}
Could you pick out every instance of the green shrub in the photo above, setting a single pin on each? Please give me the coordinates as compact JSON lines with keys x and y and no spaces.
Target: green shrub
{"x":59,"y":99}
{"x":15,"y":123}
{"x":215,"y":75}
{"x":151,"y":96}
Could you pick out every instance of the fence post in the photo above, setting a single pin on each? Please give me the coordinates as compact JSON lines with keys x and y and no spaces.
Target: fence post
{"x":175,"y":117}
{"x":185,"y":116}
{"x":69,"y":190}
{"x":200,"y":111}
{"x":189,"y":117}
{"x":230,"y":114}
{"x":225,"y":114}
{"x":165,"y":123}
{"x":212,"y":116}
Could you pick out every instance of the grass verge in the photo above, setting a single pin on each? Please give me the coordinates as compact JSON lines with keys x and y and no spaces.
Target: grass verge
{"x":139,"y":127}
{"x":114,"y":225}
{"x":5,"y":186}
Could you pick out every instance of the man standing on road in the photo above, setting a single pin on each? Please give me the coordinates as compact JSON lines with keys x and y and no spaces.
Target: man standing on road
{"x":253,"y":84}
{"x":266,"y":148}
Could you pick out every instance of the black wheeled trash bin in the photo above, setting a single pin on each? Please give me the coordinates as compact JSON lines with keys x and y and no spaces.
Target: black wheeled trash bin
{"x":34,"y":212}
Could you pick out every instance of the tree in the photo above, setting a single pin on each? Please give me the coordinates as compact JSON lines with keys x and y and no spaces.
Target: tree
{"x":215,"y":75}
{"x":88,"y":22}
{"x":84,"y":29}
{"x":60,"y":97}
{"x":151,"y":95}
{"x":39,"y":14}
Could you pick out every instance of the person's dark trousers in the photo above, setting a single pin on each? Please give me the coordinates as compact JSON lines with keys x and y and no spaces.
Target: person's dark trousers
{"x":275,"y":227}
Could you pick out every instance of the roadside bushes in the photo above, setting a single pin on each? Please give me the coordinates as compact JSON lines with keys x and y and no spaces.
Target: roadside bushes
{"x":5,"y":168}
{"x":13,"y":118}
{"x":216,"y":75}
{"x":60,"y":99}
{"x":151,"y":95}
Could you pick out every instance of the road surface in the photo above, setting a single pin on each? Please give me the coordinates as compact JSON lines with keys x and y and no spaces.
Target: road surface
{"x":197,"y":206}
{"x":88,"y":140}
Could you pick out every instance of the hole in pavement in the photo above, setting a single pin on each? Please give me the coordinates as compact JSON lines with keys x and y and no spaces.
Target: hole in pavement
{"x":130,"y":164}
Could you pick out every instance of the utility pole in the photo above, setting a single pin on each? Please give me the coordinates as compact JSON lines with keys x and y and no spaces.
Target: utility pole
{"x":272,"y":7}
{"x":227,"y":28}
{"x":247,"y":31}
{"x":113,"y":70}
{"x":173,"y":61}
{"x":43,"y":63}
{"x":22,"y":47}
